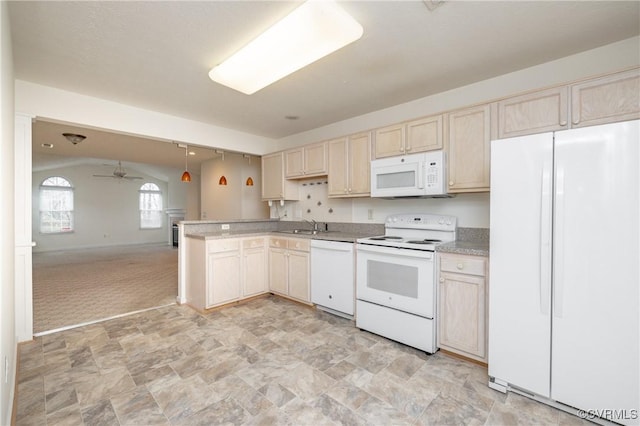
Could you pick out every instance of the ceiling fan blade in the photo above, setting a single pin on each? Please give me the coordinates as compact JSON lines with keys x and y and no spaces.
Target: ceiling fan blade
{"x":109,"y":176}
{"x":133,"y":177}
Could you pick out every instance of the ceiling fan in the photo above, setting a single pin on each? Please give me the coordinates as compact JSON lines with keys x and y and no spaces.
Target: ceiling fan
{"x":119,"y":173}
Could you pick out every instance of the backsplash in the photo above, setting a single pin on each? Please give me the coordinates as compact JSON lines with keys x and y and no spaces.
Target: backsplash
{"x":472,"y":210}
{"x":314,"y":204}
{"x":475,"y":235}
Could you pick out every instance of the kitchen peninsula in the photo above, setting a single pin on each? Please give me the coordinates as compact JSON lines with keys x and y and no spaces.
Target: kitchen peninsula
{"x":239,"y":253}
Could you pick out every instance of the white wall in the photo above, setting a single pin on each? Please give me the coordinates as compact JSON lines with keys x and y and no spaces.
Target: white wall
{"x":472,"y":210}
{"x":106,"y":211}
{"x":235,"y":200}
{"x":7,"y":242}
{"x":60,"y":105}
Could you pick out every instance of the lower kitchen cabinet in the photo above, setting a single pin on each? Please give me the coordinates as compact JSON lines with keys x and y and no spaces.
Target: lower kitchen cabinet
{"x":224,"y":270}
{"x":289,"y":268}
{"x":462,"y":306}
{"x":254,"y":267}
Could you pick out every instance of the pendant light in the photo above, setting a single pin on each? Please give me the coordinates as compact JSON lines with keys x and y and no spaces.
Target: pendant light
{"x":223,"y":179}
{"x":186,"y":177}
{"x":249,"y":181}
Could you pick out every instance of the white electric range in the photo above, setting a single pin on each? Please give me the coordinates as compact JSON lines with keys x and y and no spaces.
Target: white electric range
{"x":395,"y":278}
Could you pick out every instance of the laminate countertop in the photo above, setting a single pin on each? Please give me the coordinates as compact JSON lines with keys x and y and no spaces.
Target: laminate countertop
{"x":470,"y":241}
{"x":473,"y":248}
{"x":349,"y":237}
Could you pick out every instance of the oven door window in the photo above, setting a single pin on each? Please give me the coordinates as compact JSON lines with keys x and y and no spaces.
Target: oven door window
{"x":400,"y":280}
{"x":397,"y":278}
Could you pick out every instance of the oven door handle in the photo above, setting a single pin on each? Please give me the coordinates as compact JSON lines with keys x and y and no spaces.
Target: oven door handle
{"x":394,"y":251}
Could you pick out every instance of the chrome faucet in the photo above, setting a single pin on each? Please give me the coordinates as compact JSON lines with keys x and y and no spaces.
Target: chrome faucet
{"x":313,"y":223}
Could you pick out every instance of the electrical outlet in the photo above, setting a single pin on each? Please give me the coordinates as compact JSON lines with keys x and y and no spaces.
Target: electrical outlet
{"x":224,"y":226}
{"x":370,"y":214}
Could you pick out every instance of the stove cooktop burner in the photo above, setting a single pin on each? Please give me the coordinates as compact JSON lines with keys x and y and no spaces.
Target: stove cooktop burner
{"x":425,"y":241}
{"x":385,"y":237}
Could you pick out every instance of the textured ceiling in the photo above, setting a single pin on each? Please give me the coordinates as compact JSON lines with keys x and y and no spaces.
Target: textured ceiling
{"x":156,"y":54}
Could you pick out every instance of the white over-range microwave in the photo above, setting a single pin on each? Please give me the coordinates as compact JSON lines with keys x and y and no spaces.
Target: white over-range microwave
{"x":415,"y":175}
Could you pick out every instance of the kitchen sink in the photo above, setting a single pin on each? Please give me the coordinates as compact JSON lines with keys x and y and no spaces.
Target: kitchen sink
{"x":300,"y":231}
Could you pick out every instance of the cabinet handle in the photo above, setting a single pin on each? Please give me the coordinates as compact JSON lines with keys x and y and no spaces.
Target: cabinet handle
{"x":450,"y":183}
{"x":563,"y":123}
{"x":408,"y":148}
{"x":460,"y":266}
{"x":576,"y":121}
{"x":441,"y":279}
{"x":349,"y":189}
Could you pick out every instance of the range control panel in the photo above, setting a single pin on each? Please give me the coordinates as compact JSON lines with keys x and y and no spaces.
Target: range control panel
{"x":422,"y":221}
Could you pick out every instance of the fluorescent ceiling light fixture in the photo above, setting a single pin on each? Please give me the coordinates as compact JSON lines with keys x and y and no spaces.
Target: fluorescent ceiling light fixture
{"x":310,"y":32}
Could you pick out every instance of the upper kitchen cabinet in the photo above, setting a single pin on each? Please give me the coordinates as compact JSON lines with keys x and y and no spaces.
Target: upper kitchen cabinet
{"x":350,"y":166}
{"x":274,"y":184}
{"x":306,"y":161}
{"x":542,"y":111}
{"x":468,"y":141}
{"x":608,"y":99}
{"x":420,"y":135}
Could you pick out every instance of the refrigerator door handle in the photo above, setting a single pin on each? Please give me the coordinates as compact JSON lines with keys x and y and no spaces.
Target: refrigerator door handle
{"x":558,"y":264}
{"x":545,"y":236}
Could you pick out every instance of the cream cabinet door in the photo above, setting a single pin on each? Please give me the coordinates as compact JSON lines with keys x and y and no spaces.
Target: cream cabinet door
{"x":389,"y":141}
{"x":462,"y":305}
{"x":272,"y":176}
{"x":278,"y":270}
{"x":315,"y":159}
{"x":299,"y":275}
{"x":254,"y":277}
{"x":338,"y":179}
{"x":274,"y":184}
{"x":542,"y":111}
{"x":468,"y":138}
{"x":223,"y":277}
{"x":359,"y":165}
{"x":294,"y":162}
{"x":424,"y":135}
{"x":350,"y":166}
{"x":607,"y":99}
{"x":462,"y":313}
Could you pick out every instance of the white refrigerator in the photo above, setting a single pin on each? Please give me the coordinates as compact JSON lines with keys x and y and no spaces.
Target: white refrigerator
{"x":564,"y":265}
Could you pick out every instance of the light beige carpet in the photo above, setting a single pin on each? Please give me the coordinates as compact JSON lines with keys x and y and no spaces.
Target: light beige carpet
{"x":78,"y":286}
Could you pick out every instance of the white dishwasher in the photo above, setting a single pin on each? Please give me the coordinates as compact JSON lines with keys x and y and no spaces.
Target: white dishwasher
{"x":333,"y":276}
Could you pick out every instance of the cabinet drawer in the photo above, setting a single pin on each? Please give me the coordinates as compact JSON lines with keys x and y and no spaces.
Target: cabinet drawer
{"x":278,"y":242}
{"x":298,"y":244}
{"x":463,"y":265}
{"x":253,"y":243}
{"x":218,"y":246}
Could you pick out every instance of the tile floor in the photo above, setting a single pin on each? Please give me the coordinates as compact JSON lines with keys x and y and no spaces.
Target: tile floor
{"x":269,"y":361}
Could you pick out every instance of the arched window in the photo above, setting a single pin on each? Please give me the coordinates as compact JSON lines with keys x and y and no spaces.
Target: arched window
{"x":56,"y":205}
{"x":150,"y":206}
